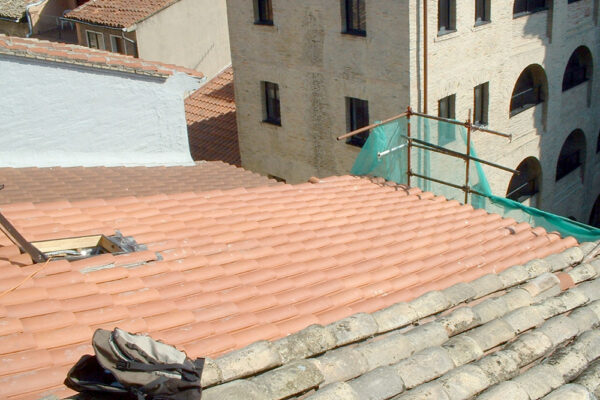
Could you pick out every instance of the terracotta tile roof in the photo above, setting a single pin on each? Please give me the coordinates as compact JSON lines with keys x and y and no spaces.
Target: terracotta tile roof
{"x":82,"y":183}
{"x":14,"y":8}
{"x":118,"y":13}
{"x":75,"y":54}
{"x":528,"y":332}
{"x":225,"y":269}
{"x":212,"y":127}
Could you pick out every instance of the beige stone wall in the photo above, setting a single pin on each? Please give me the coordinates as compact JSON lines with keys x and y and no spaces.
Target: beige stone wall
{"x":13,"y":28}
{"x":190,"y":33}
{"x":45,"y":16}
{"x":316,"y":67}
{"x":106,"y":34}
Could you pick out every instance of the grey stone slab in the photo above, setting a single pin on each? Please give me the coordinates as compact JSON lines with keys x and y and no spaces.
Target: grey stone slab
{"x":430,"y":334}
{"x":590,"y":378}
{"x":386,"y":350}
{"x":487,"y":284}
{"x":562,"y":303}
{"x":335,"y":391}
{"x":463,"y":349}
{"x":513,"y":276}
{"x":523,"y":319}
{"x":460,"y":320}
{"x":288,"y":380}
{"x":459,"y":293}
{"x":537,"y":267}
{"x":492,"y":334}
{"x":306,"y":343}
{"x":588,"y":345}
{"x":379,"y":384}
{"x":568,"y":362}
{"x":235,"y":390}
{"x":530,"y":346}
{"x":211,"y":374}
{"x":517,"y":298}
{"x":504,"y":391}
{"x":428,"y":391}
{"x":342,"y":364}
{"x":584,"y":318}
{"x":570,"y":392}
{"x":559,"y":329}
{"x":430,"y":303}
{"x":490,"y":309}
{"x":250,"y":360}
{"x":591,"y":289}
{"x":394,"y":317}
{"x":541,"y":284}
{"x":565,"y":259}
{"x":596,"y":264}
{"x":595,"y":307}
{"x":500,"y":366}
{"x":465,"y":382}
{"x":424,"y":366}
{"x":353,"y":328}
{"x":583,"y":272}
{"x":539,"y":380}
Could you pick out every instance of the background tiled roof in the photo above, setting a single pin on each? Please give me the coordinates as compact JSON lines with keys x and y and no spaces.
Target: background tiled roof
{"x":212,"y":128}
{"x":13,"y":8}
{"x":82,"y":183}
{"x":118,"y":13}
{"x":75,"y":54}
{"x":224,"y":269}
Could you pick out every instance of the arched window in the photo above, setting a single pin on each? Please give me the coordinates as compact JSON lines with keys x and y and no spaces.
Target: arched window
{"x":529,"y":90}
{"x":527,"y":183}
{"x":572,"y":154}
{"x":579,"y":68}
{"x":595,"y":215}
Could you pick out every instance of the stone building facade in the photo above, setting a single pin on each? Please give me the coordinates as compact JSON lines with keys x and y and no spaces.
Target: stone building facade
{"x":521,"y":52}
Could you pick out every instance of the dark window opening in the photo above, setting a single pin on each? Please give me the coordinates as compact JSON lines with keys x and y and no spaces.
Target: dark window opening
{"x":522,"y":7}
{"x":263,"y":12}
{"x":572,"y":154}
{"x":355,"y":17}
{"x":527,"y":183}
{"x":578,"y":68}
{"x":595,"y":215}
{"x":446,"y":109}
{"x":598,"y":144}
{"x":527,"y":93}
{"x":572,"y":1}
{"x":482,"y":11}
{"x":95,"y":40}
{"x":446,"y":16}
{"x":272,"y":108}
{"x":357,"y":117}
{"x":481,"y":96}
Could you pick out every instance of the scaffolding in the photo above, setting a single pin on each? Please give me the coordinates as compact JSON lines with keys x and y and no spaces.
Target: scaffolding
{"x":402,"y":149}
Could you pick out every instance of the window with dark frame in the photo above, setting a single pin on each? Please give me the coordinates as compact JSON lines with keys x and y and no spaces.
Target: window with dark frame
{"x":481,"y":99}
{"x":576,"y":71}
{"x":446,"y":109}
{"x":355,"y":17}
{"x":527,"y":183}
{"x":95,"y":40}
{"x":522,"y":7}
{"x":572,"y":1}
{"x":357,"y":112}
{"x":598,"y":144}
{"x":446,"y":16}
{"x":572,"y":154}
{"x":482,"y":11}
{"x":272,"y":107}
{"x":263,"y":12}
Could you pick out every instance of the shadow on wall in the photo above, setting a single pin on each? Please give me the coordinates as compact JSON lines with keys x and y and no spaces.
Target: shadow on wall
{"x":554,"y":93}
{"x":214,"y":139}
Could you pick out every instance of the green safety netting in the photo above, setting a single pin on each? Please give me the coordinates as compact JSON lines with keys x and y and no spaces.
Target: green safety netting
{"x":385,"y":155}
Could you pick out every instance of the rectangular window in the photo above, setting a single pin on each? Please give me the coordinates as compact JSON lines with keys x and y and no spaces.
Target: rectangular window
{"x":272,"y":110}
{"x":117,"y":44}
{"x":263,"y":12}
{"x":357,"y":112}
{"x":446,"y":107}
{"x":528,"y":6}
{"x":446,"y":16}
{"x":355,"y":15}
{"x":482,"y":11}
{"x":95,"y":40}
{"x":481,"y":95}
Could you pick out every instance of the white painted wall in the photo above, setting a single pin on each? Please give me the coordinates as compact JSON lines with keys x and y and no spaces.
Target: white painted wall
{"x":61,"y":115}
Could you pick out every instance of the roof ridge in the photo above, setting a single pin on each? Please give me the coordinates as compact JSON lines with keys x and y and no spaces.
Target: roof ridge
{"x":536,"y":277}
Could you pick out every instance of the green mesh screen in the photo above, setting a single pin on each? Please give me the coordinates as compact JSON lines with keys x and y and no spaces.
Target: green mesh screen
{"x":391,"y":139}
